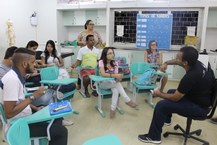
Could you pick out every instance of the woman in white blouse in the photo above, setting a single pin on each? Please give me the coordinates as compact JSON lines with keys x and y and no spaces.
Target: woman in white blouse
{"x":50,"y":56}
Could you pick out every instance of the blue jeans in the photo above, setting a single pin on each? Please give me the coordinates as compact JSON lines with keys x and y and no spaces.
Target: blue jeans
{"x":163,"y":112}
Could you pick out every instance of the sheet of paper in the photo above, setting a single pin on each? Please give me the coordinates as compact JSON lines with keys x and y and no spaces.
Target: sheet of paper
{"x":120,"y":30}
{"x":191,"y":30}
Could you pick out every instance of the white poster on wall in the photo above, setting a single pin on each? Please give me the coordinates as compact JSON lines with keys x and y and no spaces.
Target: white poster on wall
{"x":191,"y":30}
{"x":120,"y":30}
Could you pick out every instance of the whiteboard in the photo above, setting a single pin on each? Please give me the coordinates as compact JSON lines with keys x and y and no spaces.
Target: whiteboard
{"x":154,"y":27}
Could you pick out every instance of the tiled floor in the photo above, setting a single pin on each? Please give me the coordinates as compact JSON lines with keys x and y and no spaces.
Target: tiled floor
{"x":89,"y":124}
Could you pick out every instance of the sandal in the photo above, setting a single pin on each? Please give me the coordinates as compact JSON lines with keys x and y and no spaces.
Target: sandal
{"x":131,"y":104}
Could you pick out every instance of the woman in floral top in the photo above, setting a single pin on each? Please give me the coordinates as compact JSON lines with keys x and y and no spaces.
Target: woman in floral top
{"x":153,"y":56}
{"x":109,"y":68}
{"x":89,"y":25}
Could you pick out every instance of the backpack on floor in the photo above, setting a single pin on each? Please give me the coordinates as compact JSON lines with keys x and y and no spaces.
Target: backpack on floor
{"x":146,"y":78}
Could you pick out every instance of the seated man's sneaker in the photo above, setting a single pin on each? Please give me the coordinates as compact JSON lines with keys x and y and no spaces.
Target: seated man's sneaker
{"x":146,"y":139}
{"x":213,"y":120}
{"x":67,"y":122}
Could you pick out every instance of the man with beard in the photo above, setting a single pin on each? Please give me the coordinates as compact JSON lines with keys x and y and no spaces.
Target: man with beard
{"x":17,"y":106}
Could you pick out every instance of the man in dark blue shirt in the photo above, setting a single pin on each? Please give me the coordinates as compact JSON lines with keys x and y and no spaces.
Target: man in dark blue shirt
{"x":192,"y":97}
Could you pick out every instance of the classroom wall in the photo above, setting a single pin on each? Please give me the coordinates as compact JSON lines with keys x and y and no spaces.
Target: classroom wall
{"x":211,"y":37}
{"x":19,"y":13}
{"x":47,"y":22}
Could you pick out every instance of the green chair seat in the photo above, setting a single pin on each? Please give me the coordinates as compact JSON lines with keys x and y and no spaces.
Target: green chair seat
{"x":104,"y":140}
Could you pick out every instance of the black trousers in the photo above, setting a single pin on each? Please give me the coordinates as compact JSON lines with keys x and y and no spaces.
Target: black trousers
{"x":36,"y":80}
{"x":165,"y":108}
{"x":58,"y":133}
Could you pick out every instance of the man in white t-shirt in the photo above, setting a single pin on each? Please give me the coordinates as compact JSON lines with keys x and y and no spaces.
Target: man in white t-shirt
{"x":87,"y":57}
{"x":17,"y":106}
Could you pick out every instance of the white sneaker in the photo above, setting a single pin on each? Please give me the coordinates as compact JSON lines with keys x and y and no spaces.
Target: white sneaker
{"x":67,"y":122}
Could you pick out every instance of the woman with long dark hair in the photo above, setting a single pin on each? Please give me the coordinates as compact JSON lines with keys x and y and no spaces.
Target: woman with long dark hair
{"x":108,"y":67}
{"x":51,"y":57}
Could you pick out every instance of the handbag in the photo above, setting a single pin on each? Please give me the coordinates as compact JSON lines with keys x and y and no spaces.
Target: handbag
{"x":60,"y":107}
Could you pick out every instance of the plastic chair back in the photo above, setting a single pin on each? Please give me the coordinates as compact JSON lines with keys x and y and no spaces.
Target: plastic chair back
{"x":3,"y":117}
{"x":38,"y":55}
{"x":138,"y":67}
{"x":49,"y":73}
{"x":38,"y":140}
{"x":104,"y":140}
{"x":214,"y":101}
{"x":18,"y":133}
{"x":97,"y":70}
{"x":4,"y":121}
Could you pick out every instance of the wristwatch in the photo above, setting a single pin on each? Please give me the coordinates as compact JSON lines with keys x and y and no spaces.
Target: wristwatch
{"x":32,"y":97}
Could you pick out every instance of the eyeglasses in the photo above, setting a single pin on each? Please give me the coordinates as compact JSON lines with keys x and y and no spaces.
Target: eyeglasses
{"x":91,"y":24}
{"x":110,"y":53}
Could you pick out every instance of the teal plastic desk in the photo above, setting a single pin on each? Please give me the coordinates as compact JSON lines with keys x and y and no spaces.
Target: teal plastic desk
{"x":44,"y":115}
{"x":59,"y":83}
{"x":64,"y":81}
{"x":99,"y":78}
{"x":102,"y":92}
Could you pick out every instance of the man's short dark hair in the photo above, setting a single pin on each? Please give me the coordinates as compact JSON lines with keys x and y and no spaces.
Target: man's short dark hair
{"x":21,"y":54}
{"x":190,"y":54}
{"x":9,"y":52}
{"x":24,"y":51}
{"x":88,"y":36}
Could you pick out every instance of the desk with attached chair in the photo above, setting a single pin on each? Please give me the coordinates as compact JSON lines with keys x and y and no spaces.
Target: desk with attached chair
{"x":102,"y":93}
{"x":40,"y":116}
{"x":136,"y":69}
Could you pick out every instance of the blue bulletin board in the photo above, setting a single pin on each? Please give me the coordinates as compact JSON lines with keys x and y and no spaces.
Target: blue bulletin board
{"x":154,"y":27}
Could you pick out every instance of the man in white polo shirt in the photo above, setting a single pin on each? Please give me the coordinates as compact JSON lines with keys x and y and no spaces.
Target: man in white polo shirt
{"x":17,"y":106}
{"x":87,"y":56}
